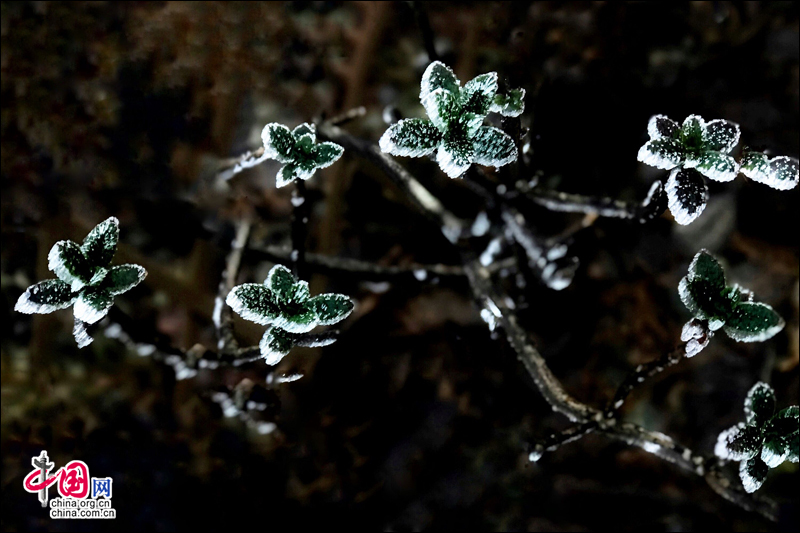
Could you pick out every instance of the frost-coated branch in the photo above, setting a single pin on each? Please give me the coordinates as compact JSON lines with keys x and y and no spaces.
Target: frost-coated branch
{"x":300,"y":213}
{"x":223,"y":316}
{"x":555,"y":440}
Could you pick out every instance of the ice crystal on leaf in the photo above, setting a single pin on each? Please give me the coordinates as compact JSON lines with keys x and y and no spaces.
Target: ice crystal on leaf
{"x":705,"y":293}
{"x":779,"y":172}
{"x":764,"y":441}
{"x":285,"y":304}
{"x":85,"y":279}
{"x":455,"y":131}
{"x":298,"y":150}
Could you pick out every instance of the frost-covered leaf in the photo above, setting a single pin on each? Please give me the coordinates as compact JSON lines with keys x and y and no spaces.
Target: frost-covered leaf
{"x":661,"y":126}
{"x":701,"y":290}
{"x":779,"y":172}
{"x":438,"y":76}
{"x":721,"y":136}
{"x":45,"y":297}
{"x":714,"y":165}
{"x":278,"y":142}
{"x":692,"y":133}
{"x":100,"y":244}
{"x":93,"y":304}
{"x":325,"y":154}
{"x":285,"y":287}
{"x":413,"y":137}
{"x":784,"y":424}
{"x":68,"y":262}
{"x":509,"y":105}
{"x":454,"y":157}
{"x":739,"y":443}
{"x":275,"y":345}
{"x":286,"y":175}
{"x":664,"y":153}
{"x":759,"y":405}
{"x":305,"y":129}
{"x":493,"y":148}
{"x":123,"y":278}
{"x":775,"y":451}
{"x":254,"y":302}
{"x":753,"y":472}
{"x":753,"y":322}
{"x":687,"y":194}
{"x":331,"y":308}
{"x":79,"y":333}
{"x":477,"y":95}
{"x":298,"y":319}
{"x":442,"y":107}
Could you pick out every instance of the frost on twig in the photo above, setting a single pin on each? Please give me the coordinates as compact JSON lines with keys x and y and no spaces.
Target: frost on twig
{"x":286,"y":305}
{"x":765,"y":440}
{"x":455,"y":131}
{"x":85,"y":279}
{"x":705,"y":293}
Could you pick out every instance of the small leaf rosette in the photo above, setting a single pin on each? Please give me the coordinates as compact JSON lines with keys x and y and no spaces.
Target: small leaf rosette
{"x":455,"y":131}
{"x":286,"y":306}
{"x":705,"y":294}
{"x":765,"y":440}
{"x":84,"y":278}
{"x":778,"y":172}
{"x":298,"y":151}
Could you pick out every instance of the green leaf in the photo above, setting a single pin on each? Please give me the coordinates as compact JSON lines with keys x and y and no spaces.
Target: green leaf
{"x":275,"y":345}
{"x":664,"y":153}
{"x":297,"y":319}
{"x":692,"y":133}
{"x":753,"y":322}
{"x":325,"y":154}
{"x":493,"y":148}
{"x":123,"y":278}
{"x":511,"y":104}
{"x":714,"y":165}
{"x":93,"y":304}
{"x":286,"y":175}
{"x":779,"y":172}
{"x":285,"y":287}
{"x":739,"y":442}
{"x":701,"y":291}
{"x":775,"y":451}
{"x":331,"y":308}
{"x":45,"y":297}
{"x":753,"y":472}
{"x":661,"y":126}
{"x":305,"y":129}
{"x":442,"y":108}
{"x":68,"y":262}
{"x":278,"y":142}
{"x":784,"y":424}
{"x":705,"y":266}
{"x":254,"y":302}
{"x":438,"y":76}
{"x":759,"y":405}
{"x":687,"y":194}
{"x":100,"y":244}
{"x":455,"y":156}
{"x":477,"y":95}
{"x":721,"y":136}
{"x":413,"y":137}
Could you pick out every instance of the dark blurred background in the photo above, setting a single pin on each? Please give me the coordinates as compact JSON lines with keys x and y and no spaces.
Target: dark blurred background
{"x":416,"y":418}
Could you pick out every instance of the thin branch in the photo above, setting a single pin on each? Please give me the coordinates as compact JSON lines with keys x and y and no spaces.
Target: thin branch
{"x":555,"y":440}
{"x":424,"y":25}
{"x":223,"y":315}
{"x":300,"y":213}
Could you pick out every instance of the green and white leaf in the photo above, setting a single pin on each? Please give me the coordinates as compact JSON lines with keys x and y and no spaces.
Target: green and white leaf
{"x":692,"y":133}
{"x":509,"y":105}
{"x":325,"y":154}
{"x":753,"y":322}
{"x":775,"y":451}
{"x":278,"y":142}
{"x":739,"y":442}
{"x":661,"y":126}
{"x":93,"y":304}
{"x":442,"y":107}
{"x":687,"y":194}
{"x":297,"y":319}
{"x":79,"y":333}
{"x":331,"y":308}
{"x":455,"y":157}
{"x":68,"y":262}
{"x":275,"y":345}
{"x":759,"y":405}
{"x":701,"y":290}
{"x":753,"y":472}
{"x":45,"y":297}
{"x":438,"y":76}
{"x":100,"y":244}
{"x":305,"y":129}
{"x":477,"y":95}
{"x":663,"y":153}
{"x":493,"y":147}
{"x":285,"y":287}
{"x":721,"y":136}
{"x":714,"y":165}
{"x":254,"y":302}
{"x":779,"y":172}
{"x":413,"y":137}
{"x":123,"y":278}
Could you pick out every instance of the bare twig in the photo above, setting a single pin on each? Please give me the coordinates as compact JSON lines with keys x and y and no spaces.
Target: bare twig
{"x":424,"y":25}
{"x":223,"y":315}
{"x":300,"y":212}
